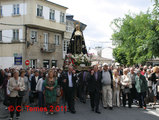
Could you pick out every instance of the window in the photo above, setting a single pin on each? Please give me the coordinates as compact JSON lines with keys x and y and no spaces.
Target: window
{"x":46,"y":38}
{"x":1,"y":13}
{"x":46,"y":63}
{"x":40,"y":11}
{"x":54,"y":63}
{"x":65,"y":45}
{"x":69,"y":29}
{"x":62,"y":17}
{"x":33,"y":63}
{"x":16,"y":34}
{"x":52,"y":14}
{"x":46,"y":41}
{"x":33,"y":38}
{"x":57,"y":39}
{"x":0,"y":35}
{"x":16,"y":9}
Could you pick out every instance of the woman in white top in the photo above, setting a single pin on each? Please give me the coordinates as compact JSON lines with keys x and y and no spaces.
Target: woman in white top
{"x":126,"y":84}
{"x":15,"y":85}
{"x":116,"y":87}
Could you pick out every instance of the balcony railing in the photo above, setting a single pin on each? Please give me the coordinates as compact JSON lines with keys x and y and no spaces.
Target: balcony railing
{"x":48,"y":47}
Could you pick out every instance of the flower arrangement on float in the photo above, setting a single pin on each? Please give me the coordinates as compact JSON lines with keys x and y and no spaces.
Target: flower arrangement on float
{"x":77,"y":60}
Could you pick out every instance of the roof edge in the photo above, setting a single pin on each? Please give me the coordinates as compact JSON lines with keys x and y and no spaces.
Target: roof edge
{"x":56,"y":4}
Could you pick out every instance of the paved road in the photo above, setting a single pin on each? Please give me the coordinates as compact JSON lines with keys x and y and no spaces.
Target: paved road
{"x":84,"y":113}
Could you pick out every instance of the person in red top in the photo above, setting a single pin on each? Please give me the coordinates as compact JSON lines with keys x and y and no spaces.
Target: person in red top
{"x":142,"y":72}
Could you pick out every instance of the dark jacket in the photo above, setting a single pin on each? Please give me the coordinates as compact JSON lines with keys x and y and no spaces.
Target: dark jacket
{"x":153,"y":78}
{"x":2,"y":78}
{"x":85,"y":80}
{"x":93,"y":84}
{"x":141,"y":84}
{"x":66,"y":85}
{"x":33,"y":83}
{"x":59,"y":80}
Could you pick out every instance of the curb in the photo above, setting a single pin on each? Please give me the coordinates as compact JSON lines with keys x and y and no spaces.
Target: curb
{"x":4,"y":116}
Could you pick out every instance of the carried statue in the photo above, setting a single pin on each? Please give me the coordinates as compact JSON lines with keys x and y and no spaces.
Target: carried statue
{"x":76,"y":51}
{"x":77,"y":43}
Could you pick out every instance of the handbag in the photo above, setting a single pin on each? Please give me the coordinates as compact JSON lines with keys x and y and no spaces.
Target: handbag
{"x":21,"y":93}
{"x":58,"y":91}
{"x":126,"y":90}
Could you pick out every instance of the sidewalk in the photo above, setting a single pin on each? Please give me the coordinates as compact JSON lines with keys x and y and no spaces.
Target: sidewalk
{"x":156,"y":107}
{"x":3,"y":113}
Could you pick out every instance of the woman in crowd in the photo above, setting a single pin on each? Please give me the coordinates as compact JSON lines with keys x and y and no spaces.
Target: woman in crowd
{"x":141,"y":87}
{"x":15,"y":85}
{"x":154,"y":79}
{"x":116,"y":87}
{"x":25,"y":100}
{"x":6,"y":93}
{"x":50,"y":85}
{"x":59,"y":86}
{"x":28,"y":75}
{"x":142,"y":71}
{"x":2,"y":77}
{"x":149,"y":82}
{"x":126,"y":86}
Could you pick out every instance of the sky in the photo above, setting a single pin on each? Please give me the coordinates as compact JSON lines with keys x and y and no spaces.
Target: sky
{"x":98,"y":14}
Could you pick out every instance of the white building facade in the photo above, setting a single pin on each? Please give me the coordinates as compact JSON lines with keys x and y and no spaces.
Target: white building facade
{"x":37,"y":22}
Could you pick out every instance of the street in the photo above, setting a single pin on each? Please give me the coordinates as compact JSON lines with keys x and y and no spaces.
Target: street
{"x":84,"y":113}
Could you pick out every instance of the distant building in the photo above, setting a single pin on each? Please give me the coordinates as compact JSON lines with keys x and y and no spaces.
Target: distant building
{"x":100,"y":60}
{"x":153,"y":62}
{"x":33,"y":30}
{"x":99,"y":56}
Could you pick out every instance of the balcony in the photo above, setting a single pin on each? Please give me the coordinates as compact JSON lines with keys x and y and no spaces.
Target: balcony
{"x":48,"y":48}
{"x":15,"y":40}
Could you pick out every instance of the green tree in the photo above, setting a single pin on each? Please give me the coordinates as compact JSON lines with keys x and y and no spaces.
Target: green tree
{"x":156,"y":9}
{"x":136,"y":38}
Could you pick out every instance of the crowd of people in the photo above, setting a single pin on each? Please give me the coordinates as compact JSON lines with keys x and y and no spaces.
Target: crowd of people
{"x":112,"y":86}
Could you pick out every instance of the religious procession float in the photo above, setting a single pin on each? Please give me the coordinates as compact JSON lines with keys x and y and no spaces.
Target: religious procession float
{"x":77,"y":54}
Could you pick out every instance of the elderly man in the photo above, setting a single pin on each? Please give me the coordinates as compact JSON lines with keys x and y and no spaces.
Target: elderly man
{"x":70,"y":86}
{"x":107,"y":85}
{"x":132,"y":76}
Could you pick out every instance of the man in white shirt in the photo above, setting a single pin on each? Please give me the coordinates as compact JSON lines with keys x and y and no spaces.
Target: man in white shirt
{"x":70,"y":79}
{"x":70,"y":84}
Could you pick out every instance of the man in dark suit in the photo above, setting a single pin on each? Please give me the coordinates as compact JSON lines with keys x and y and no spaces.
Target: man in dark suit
{"x":34,"y":81}
{"x":95,"y":88}
{"x":70,"y":86}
